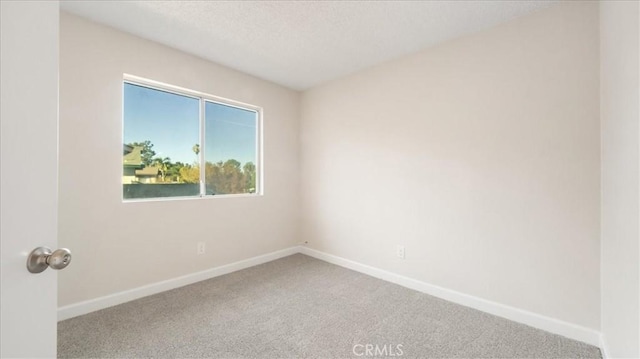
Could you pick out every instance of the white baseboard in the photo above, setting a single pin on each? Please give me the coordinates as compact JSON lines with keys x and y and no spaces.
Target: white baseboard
{"x":93,"y":305}
{"x":569,"y":330}
{"x":552,"y":325}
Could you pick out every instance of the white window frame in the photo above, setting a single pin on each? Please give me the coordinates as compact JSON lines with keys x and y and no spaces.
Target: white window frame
{"x":203,"y":98}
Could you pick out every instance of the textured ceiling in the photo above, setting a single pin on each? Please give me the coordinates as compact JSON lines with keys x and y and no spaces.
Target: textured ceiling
{"x":300,"y":44}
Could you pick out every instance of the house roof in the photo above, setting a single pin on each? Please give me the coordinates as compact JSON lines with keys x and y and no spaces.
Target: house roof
{"x":147,"y":171}
{"x":133,"y":158}
{"x":126,"y":149}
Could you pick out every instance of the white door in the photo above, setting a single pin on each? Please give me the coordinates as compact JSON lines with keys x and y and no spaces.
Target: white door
{"x":29,"y":175}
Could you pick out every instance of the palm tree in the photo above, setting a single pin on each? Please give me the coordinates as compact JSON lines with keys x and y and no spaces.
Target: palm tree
{"x":196,"y":149}
{"x":163,"y":165}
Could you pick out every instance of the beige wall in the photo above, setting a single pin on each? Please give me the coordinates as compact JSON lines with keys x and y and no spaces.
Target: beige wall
{"x":620,"y":25}
{"x":119,"y":246}
{"x":481,"y":156}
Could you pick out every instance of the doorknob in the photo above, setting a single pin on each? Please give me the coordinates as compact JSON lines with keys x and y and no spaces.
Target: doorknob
{"x":42,"y":257}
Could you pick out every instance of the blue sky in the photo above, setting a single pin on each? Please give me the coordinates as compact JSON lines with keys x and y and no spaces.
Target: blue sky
{"x":230,"y":133}
{"x":171,"y":123}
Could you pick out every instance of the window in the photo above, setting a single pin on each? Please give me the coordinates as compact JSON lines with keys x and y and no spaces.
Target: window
{"x":182,"y":143}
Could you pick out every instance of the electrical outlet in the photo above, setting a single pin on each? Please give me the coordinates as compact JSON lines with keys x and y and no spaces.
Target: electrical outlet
{"x":400,"y":251}
{"x":201,"y":248}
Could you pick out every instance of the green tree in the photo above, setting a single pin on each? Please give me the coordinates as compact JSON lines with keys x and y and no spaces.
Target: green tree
{"x":233,"y":177}
{"x":249,"y":170}
{"x":231,"y":164}
{"x":213,"y":177}
{"x":173,"y":172}
{"x":190,"y":174}
{"x":147,"y":151}
{"x":230,"y":177}
{"x":163,"y":165}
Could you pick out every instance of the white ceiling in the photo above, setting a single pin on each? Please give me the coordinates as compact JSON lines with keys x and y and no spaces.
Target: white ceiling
{"x":300,"y":44}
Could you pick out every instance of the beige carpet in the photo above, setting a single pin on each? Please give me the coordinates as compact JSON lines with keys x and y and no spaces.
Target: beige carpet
{"x":300,"y":307}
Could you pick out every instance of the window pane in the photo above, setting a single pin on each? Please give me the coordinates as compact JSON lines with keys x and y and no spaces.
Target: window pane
{"x":161,"y":144}
{"x":230,"y":149}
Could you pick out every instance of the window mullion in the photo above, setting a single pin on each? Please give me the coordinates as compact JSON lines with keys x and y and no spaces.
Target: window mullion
{"x":201,"y":158}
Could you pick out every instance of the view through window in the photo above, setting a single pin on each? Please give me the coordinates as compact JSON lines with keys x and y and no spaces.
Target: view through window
{"x":179,"y":144}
